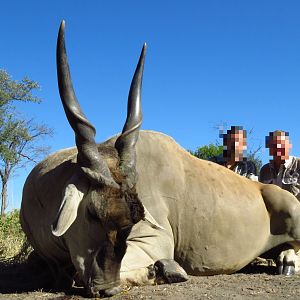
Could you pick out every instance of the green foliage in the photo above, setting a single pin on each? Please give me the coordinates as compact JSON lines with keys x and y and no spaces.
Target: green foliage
{"x":207,"y":151}
{"x":10,"y":225}
{"x":12,"y":237}
{"x":19,"y":138}
{"x":16,"y":90}
{"x":15,"y":131}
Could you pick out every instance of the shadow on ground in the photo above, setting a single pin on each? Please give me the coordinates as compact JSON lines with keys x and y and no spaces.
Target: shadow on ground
{"x":17,"y":277}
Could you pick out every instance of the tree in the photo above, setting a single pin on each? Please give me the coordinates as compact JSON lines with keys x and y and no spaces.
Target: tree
{"x":253,"y":156}
{"x":19,"y":138}
{"x":207,"y":151}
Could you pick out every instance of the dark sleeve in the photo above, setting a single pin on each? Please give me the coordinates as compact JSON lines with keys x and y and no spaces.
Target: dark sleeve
{"x":264,"y":175}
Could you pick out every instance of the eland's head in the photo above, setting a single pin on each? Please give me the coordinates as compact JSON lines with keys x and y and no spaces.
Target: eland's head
{"x":100,"y":204}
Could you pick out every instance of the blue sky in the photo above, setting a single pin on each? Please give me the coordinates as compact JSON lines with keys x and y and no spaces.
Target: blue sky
{"x":208,"y":63}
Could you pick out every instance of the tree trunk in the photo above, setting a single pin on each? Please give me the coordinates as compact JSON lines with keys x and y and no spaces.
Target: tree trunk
{"x":4,"y":196}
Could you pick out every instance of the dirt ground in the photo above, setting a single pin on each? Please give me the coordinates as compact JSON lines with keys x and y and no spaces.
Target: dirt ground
{"x":261,"y":283}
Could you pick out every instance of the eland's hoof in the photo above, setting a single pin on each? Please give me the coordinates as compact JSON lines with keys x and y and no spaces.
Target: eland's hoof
{"x":112,"y":291}
{"x":151,"y":272}
{"x":288,"y":270}
{"x":94,"y":293}
{"x":279,"y":269}
{"x":169,"y":271}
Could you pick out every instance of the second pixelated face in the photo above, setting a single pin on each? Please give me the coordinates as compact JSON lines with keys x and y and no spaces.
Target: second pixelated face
{"x":279,"y":145}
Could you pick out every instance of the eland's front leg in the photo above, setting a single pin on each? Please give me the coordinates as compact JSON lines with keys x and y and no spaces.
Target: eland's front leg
{"x":288,"y":261}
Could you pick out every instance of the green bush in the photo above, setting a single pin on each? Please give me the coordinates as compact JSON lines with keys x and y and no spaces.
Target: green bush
{"x":207,"y":151}
{"x":12,"y":237}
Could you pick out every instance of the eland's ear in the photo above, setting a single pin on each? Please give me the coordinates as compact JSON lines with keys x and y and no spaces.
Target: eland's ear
{"x":67,"y":213}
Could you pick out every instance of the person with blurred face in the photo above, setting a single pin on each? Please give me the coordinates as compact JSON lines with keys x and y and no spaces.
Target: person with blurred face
{"x":283,"y":169}
{"x":234,"y":153}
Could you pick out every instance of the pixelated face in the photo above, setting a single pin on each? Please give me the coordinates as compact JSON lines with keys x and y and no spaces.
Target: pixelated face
{"x":279,"y":146}
{"x":235,"y":145}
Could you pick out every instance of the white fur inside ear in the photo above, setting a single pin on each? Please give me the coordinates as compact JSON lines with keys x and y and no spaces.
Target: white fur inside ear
{"x":149,"y":218}
{"x":67,"y":212}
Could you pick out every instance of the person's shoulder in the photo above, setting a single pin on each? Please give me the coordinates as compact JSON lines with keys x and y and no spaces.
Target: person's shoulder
{"x":265,"y":167}
{"x":264,"y":172}
{"x":294,"y":162}
{"x":296,"y":158}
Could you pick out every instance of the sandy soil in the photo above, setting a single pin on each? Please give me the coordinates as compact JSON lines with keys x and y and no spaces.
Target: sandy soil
{"x":261,"y":284}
